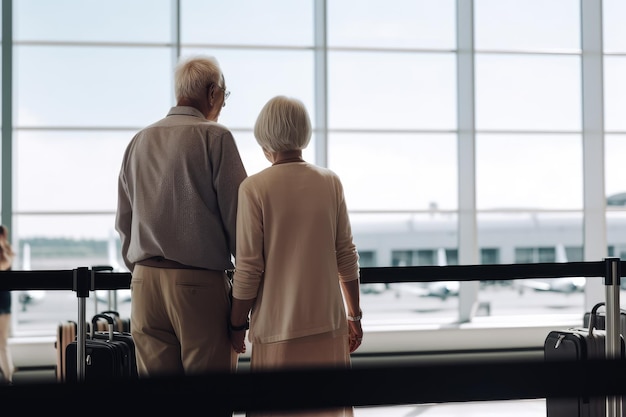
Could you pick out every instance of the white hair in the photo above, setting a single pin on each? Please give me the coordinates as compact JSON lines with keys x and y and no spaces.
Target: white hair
{"x":194,"y":74}
{"x":283,"y":125}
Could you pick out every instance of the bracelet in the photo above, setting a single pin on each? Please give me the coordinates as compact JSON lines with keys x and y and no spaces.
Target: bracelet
{"x":356,"y":318}
{"x":245,"y":326}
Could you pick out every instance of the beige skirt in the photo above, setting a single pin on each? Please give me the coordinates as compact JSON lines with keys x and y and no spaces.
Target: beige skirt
{"x":322,"y":350}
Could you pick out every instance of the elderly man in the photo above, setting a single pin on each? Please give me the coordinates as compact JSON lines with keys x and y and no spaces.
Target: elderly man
{"x":176,"y":217}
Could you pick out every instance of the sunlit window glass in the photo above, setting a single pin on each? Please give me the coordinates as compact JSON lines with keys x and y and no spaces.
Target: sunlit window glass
{"x":62,"y":242}
{"x":614,"y":30}
{"x":268,"y":22}
{"x":530,"y":25}
{"x":391,"y":91}
{"x":91,"y":86}
{"x":146,"y":21}
{"x":614,"y":93}
{"x":50,"y":178}
{"x":529,"y":171}
{"x":615,"y":170}
{"x":383,"y":98}
{"x":392,"y":24}
{"x":531,"y":237}
{"x":534,"y":92}
{"x":616,"y":228}
{"x":396,"y":171}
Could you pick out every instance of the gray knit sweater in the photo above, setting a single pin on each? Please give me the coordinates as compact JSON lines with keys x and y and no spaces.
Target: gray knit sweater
{"x":177,"y":193}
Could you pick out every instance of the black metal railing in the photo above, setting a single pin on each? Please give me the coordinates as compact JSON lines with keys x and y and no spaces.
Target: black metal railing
{"x":450,"y":381}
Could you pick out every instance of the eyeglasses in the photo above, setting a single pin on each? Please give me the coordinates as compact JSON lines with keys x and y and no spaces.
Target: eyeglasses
{"x":226,"y":94}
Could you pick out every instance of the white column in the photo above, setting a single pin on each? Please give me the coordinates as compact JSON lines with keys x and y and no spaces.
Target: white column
{"x":468,"y":243}
{"x":594,"y":196}
{"x":321,"y":84}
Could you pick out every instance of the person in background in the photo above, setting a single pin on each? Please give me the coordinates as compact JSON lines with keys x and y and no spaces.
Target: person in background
{"x":6,"y":261}
{"x":176,"y":217}
{"x":297,"y":272}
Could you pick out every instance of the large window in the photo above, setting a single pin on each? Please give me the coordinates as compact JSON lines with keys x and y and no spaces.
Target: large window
{"x":421,"y":146}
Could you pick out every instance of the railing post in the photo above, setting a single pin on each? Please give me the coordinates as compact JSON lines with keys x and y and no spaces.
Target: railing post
{"x":613,"y":336}
{"x":82,"y":283}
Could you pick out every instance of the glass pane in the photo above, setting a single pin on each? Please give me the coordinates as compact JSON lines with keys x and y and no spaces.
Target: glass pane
{"x":270,"y":22}
{"x":86,"y":86}
{"x":48,"y":242}
{"x":65,"y":241}
{"x":391,"y":91}
{"x":616,"y":235}
{"x":89,"y":21}
{"x":527,"y":24}
{"x":410,"y":172}
{"x":411,"y":239}
{"x":615,"y":170}
{"x":528,"y":92}
{"x":38,"y":312}
{"x":529,"y":171}
{"x":532,"y":238}
{"x":614,"y":93}
{"x":255,"y":76}
{"x":393,"y":24}
{"x":68,"y":171}
{"x":614,"y":31}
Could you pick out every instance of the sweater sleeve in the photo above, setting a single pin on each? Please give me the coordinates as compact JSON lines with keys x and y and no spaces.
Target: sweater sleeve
{"x":123,"y":219}
{"x":228,"y":174}
{"x":347,"y":255}
{"x":250,"y":261}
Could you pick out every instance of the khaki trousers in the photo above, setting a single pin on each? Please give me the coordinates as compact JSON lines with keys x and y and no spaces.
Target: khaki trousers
{"x":179,"y":321}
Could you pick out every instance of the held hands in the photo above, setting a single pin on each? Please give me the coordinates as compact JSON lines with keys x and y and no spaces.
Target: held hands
{"x":237,"y":340}
{"x":238,"y":336}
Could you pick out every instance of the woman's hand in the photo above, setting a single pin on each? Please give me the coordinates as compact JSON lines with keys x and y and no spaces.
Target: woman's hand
{"x":355,"y":335}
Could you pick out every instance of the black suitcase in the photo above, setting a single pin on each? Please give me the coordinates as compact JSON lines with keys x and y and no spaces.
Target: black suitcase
{"x":117,"y":336}
{"x":577,"y":344}
{"x":108,"y":355}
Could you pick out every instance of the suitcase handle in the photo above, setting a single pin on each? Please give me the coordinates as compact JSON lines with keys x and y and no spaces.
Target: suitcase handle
{"x":593,"y":315}
{"x":116,"y":319}
{"x":94,"y":323}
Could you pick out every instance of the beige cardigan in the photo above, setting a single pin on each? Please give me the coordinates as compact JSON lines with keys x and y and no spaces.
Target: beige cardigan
{"x":294,"y":245}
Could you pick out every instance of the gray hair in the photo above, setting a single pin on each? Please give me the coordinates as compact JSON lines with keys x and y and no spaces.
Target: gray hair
{"x":283,"y":125}
{"x":194,"y":74}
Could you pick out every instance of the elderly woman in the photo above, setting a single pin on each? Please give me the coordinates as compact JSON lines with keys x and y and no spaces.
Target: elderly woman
{"x":297,"y":270}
